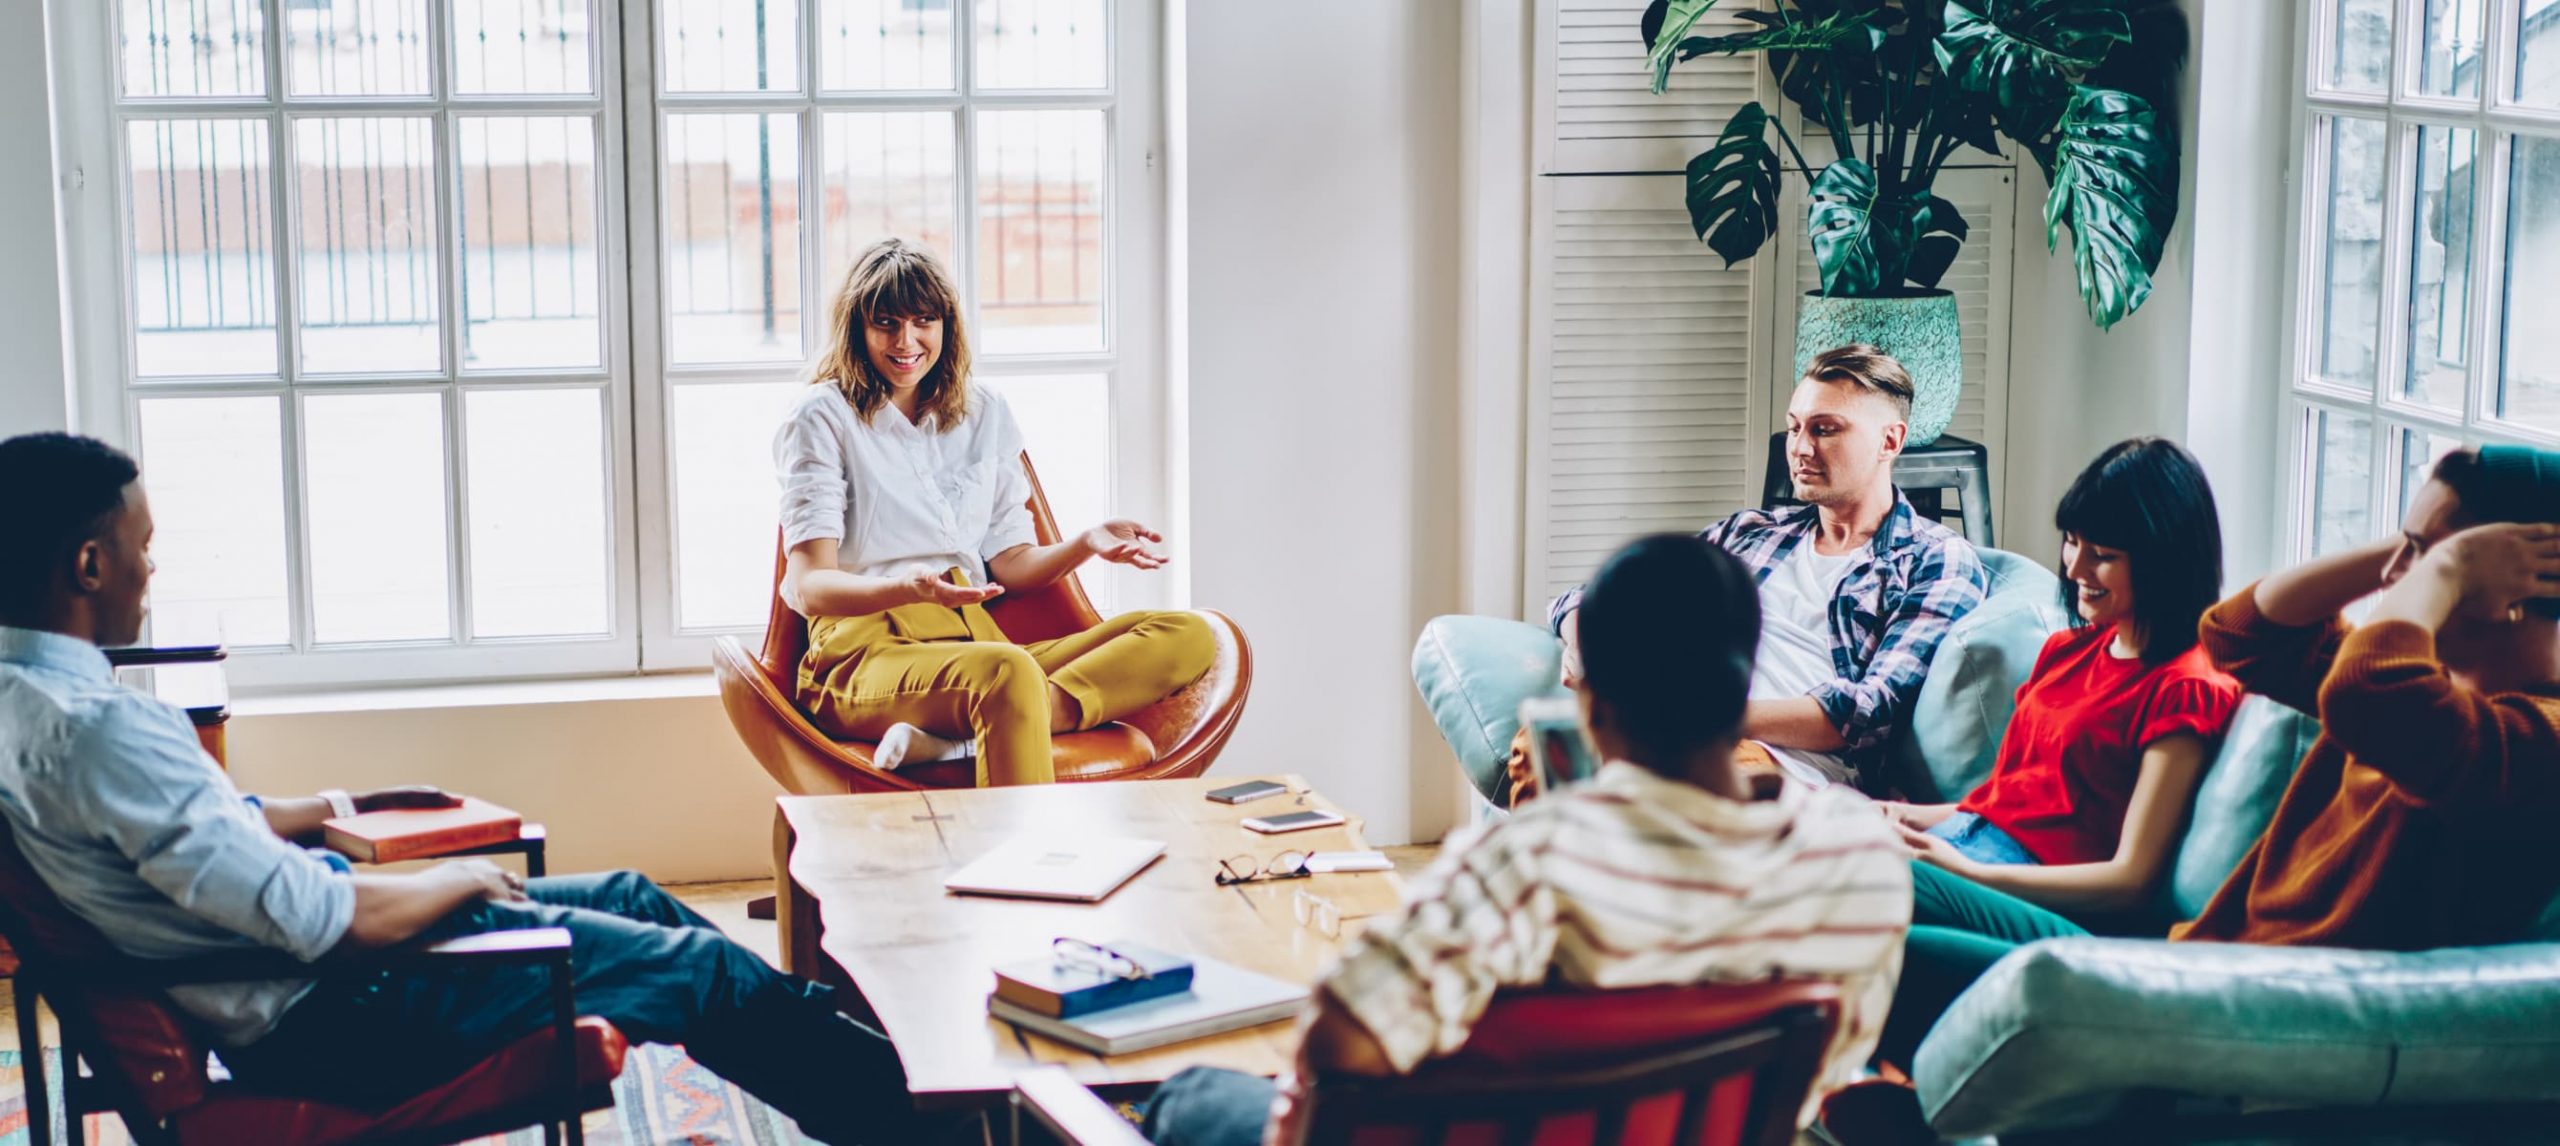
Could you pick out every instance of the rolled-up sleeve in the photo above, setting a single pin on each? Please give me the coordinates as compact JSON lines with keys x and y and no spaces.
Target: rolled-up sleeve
{"x":1009,"y":519}
{"x":189,"y":835}
{"x":808,"y":460}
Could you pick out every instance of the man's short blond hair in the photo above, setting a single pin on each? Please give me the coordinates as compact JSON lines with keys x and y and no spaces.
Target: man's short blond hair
{"x":1866,"y":368}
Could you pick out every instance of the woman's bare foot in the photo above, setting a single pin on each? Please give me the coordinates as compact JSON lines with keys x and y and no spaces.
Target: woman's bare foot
{"x":907,"y":744}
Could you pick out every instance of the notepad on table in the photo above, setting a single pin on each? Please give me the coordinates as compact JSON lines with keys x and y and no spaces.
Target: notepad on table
{"x":1081,"y":868}
{"x":1067,"y":987}
{"x":1222,"y":998}
{"x":409,"y":833}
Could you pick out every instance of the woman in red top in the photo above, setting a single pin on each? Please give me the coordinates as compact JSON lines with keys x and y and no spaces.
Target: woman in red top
{"x":2113,"y":729}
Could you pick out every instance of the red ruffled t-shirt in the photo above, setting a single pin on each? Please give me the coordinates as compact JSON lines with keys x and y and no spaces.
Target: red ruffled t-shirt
{"x":2064,"y":778}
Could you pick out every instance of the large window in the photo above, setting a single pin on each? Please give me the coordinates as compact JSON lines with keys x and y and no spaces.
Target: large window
{"x":2429,"y":237}
{"x":453,"y":333}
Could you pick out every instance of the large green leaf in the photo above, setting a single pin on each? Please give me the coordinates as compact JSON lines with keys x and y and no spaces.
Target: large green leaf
{"x":1814,"y":36}
{"x":1667,"y":32}
{"x":1940,"y":231}
{"x":1733,"y":187}
{"x":2115,"y":184}
{"x":2027,"y":55}
{"x":1841,"y":222}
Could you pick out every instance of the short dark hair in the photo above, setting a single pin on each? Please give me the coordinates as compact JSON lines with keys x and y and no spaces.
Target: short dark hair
{"x":2149,"y":498}
{"x":1668,"y":630}
{"x":1867,"y":368}
{"x":2501,"y":484}
{"x":57,"y":492}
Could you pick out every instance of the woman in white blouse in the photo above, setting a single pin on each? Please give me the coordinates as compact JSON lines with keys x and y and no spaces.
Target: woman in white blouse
{"x":904,"y":509}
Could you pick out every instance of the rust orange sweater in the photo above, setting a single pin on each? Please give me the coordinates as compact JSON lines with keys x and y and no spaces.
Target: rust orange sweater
{"x":2421,"y":818}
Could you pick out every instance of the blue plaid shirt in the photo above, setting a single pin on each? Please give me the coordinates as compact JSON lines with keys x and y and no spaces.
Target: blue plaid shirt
{"x":1914,"y":582}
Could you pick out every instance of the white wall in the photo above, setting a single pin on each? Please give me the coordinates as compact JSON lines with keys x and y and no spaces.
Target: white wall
{"x":1322,"y":259}
{"x":35,"y":386}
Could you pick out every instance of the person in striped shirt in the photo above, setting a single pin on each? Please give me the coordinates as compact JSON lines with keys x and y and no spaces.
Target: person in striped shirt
{"x":1670,"y":865}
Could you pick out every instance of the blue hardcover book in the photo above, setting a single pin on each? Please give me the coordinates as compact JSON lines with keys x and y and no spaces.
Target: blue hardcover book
{"x":1065,"y":988}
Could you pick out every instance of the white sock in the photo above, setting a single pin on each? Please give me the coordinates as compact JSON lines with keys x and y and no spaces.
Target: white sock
{"x":906,"y":743}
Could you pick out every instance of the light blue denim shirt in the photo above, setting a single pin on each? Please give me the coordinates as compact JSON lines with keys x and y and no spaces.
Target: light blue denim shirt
{"x":126,"y":818}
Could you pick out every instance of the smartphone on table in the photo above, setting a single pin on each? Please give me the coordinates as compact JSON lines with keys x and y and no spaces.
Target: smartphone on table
{"x":1246,"y":792}
{"x":1292,"y":822}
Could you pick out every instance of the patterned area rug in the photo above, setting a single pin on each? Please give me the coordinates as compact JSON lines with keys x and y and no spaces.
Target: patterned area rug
{"x":662,"y":1099}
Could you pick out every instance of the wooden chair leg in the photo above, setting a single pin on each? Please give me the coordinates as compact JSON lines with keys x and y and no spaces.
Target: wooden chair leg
{"x":31,"y":1061}
{"x":564,"y":1018}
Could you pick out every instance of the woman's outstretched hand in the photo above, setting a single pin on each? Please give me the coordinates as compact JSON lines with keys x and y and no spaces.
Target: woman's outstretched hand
{"x":1124,"y":542}
{"x":940,"y":592}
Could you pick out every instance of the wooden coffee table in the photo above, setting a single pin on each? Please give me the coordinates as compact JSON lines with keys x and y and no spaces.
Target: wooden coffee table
{"x":862,"y":905}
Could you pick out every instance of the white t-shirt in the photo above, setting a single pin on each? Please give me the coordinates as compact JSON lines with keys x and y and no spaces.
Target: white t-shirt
{"x":898,"y":496}
{"x":1795,"y":647}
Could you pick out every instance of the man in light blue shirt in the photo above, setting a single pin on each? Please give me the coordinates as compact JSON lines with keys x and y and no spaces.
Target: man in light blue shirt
{"x":141,"y":834}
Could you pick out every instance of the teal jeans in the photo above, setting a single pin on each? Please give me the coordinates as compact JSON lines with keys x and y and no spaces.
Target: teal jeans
{"x":1959,"y":928}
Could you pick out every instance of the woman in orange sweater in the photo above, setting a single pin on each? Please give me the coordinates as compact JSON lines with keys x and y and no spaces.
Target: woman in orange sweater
{"x":2420,"y":818}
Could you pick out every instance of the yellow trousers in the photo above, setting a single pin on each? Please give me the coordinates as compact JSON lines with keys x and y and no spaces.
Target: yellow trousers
{"x":952,"y":673}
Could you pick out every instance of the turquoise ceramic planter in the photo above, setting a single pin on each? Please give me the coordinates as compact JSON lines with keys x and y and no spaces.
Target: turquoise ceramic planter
{"x":1922,"y":331}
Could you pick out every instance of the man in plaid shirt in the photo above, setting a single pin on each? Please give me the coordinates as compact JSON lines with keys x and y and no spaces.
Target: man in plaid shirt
{"x":1856,"y":589}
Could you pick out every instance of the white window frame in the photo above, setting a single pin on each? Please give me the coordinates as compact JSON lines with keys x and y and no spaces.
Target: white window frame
{"x":95,"y":111}
{"x":1133,"y":331}
{"x":636,"y":381}
{"x":2496,"y":120}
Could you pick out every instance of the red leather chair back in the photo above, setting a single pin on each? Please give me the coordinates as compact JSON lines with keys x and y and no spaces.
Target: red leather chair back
{"x":157,"y":1053}
{"x":1055,"y":610}
{"x":1709,"y":1065}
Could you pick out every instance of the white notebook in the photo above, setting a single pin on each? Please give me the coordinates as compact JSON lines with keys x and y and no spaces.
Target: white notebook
{"x":1081,"y":868}
{"x":1222,"y":998}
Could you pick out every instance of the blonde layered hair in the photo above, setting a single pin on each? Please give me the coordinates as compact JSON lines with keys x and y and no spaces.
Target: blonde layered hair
{"x":901,"y":281}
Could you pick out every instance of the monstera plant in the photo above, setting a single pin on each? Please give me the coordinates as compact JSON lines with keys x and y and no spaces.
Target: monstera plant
{"x":1898,"y":87}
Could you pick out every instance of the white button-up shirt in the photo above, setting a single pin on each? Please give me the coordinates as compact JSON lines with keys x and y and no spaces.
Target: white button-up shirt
{"x":899,"y":496}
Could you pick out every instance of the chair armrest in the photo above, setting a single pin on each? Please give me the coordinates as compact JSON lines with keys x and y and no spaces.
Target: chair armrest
{"x":1065,"y":1108}
{"x":532,"y":946}
{"x":144,"y":656}
{"x":2058,"y":1033}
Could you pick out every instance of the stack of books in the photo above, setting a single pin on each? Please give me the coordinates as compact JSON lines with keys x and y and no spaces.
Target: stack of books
{"x":1109,"y":1011}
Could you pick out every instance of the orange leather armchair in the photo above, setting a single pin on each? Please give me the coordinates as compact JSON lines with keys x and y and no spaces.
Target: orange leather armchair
{"x":1175,"y":738}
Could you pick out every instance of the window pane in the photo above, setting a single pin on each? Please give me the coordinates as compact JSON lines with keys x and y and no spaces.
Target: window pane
{"x":215,"y":469}
{"x":2359,"y":45}
{"x":726,"y":500}
{"x":529,"y":291}
{"x":373,"y":496}
{"x":730,"y":45}
{"x":521,"y":46}
{"x":203,"y":248}
{"x":1040,"y":176}
{"x":733,"y":237}
{"x":355,"y":47}
{"x":884,"y":45}
{"x":1041,"y":44}
{"x":2529,"y":389}
{"x":2440,"y":266}
{"x":2538,"y":53}
{"x":536,"y":467}
{"x":1066,"y":428}
{"x":191,"y":48}
{"x":2342,"y":481}
{"x":367,"y":236}
{"x":888,"y":174}
{"x":2351,"y":299}
{"x":2450,"y":57}
{"x":2419,"y":451}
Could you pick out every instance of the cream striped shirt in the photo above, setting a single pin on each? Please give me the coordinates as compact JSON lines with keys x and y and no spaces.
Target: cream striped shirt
{"x":1631,"y":880}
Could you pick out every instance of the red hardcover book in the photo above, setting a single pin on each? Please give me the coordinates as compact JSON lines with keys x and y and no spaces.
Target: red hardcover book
{"x":408,"y":833}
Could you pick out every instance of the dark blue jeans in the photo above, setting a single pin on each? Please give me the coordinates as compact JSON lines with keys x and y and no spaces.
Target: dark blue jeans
{"x":649,"y":964}
{"x":1205,"y":1106}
